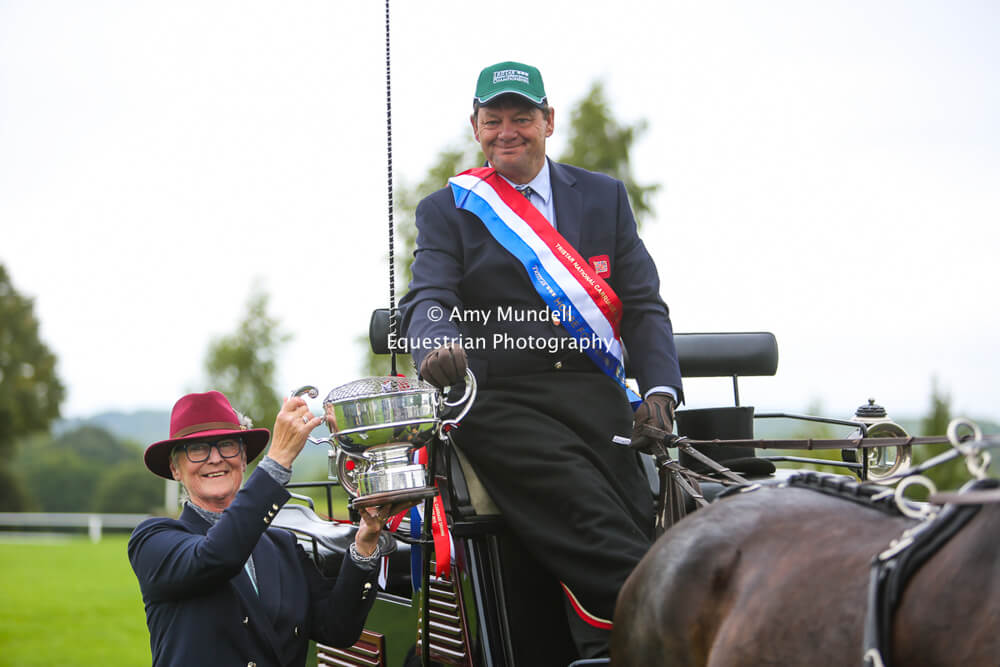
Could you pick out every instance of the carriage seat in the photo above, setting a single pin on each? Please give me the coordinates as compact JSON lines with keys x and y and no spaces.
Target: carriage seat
{"x":470,"y":498}
{"x":723,"y":354}
{"x":700,"y":355}
{"x":325,"y":541}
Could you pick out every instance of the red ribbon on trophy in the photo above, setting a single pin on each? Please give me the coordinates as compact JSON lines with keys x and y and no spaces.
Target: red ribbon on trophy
{"x":439,"y":530}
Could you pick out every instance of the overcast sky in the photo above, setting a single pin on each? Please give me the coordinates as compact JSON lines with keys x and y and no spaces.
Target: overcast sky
{"x":829,"y":173}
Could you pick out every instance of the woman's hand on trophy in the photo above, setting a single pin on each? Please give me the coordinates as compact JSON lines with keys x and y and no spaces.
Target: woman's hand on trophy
{"x":291,"y":430}
{"x":444,"y":366}
{"x":373,"y":520}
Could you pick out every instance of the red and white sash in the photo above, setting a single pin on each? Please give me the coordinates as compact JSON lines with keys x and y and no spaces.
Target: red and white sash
{"x":564,"y":281}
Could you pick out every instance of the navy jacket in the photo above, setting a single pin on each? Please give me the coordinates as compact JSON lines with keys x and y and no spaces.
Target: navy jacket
{"x":201,"y":607}
{"x":459,"y":267}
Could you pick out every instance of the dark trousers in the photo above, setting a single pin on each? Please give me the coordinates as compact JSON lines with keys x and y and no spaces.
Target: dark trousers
{"x":541,"y":445}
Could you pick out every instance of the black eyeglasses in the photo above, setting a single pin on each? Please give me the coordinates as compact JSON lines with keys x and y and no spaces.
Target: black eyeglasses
{"x":198,"y":452}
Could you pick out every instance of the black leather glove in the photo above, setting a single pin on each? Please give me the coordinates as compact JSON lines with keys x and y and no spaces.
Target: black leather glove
{"x":444,"y":366}
{"x":656,"y":411}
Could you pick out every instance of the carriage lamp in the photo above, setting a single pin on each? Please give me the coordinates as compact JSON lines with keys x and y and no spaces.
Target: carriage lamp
{"x":883,"y":462}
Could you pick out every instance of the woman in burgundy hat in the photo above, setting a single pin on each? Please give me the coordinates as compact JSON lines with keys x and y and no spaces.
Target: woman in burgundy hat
{"x":222,"y":588}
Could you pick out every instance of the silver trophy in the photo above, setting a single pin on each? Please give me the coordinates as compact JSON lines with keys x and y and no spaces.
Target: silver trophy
{"x":375,"y":425}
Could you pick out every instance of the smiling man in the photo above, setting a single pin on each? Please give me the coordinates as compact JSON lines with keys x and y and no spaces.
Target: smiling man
{"x":522,"y":236}
{"x":512,"y":136}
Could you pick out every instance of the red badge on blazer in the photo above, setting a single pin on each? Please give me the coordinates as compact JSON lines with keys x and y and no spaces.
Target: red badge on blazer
{"x":601,"y":264}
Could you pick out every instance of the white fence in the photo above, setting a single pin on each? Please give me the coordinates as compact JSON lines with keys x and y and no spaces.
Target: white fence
{"x":94,"y":523}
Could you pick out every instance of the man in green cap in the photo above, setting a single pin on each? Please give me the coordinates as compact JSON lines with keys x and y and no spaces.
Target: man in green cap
{"x":531,"y":273}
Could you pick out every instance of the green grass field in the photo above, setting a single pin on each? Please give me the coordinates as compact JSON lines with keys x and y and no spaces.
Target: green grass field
{"x":70,"y":603}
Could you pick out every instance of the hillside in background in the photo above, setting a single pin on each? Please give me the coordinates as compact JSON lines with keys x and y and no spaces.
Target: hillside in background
{"x":144,"y":427}
{"x":148,"y":426}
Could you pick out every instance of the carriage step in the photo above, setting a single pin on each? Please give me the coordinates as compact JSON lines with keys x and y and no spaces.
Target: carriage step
{"x":446,"y":626}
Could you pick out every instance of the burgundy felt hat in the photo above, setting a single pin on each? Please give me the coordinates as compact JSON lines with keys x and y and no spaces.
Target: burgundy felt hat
{"x":201,"y":417}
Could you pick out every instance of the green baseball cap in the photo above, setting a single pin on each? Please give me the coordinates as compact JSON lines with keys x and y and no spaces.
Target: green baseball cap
{"x":510,"y":77}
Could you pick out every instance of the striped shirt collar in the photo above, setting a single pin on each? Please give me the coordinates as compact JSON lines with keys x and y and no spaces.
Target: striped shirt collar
{"x":541,"y":184}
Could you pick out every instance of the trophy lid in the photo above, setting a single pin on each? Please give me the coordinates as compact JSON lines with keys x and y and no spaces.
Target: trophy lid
{"x":376,"y":411}
{"x":376,"y":386}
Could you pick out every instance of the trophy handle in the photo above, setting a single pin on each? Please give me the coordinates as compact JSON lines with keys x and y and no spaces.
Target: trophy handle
{"x":469,"y":397}
{"x":305,"y":390}
{"x":312,"y":392}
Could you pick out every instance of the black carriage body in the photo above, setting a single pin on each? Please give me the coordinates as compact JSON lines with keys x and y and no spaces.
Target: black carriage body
{"x":499,"y":606}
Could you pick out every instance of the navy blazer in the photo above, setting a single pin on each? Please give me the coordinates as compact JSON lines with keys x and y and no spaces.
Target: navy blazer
{"x":459,"y":267}
{"x":201,"y":607}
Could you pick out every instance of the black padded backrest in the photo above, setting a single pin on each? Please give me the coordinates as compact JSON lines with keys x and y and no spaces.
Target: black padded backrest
{"x":378,"y":331}
{"x":727,"y":354}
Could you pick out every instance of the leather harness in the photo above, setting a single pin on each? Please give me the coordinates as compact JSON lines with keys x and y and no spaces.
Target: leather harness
{"x":892,"y":569}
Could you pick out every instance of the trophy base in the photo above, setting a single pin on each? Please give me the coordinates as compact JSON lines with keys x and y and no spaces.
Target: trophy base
{"x":393,"y":497}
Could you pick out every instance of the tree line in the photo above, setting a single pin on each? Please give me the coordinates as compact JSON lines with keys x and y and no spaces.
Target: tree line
{"x":89,"y":469}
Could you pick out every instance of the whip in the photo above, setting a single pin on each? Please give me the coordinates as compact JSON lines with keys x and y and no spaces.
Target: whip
{"x":393,"y":317}
{"x":426,"y":539}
